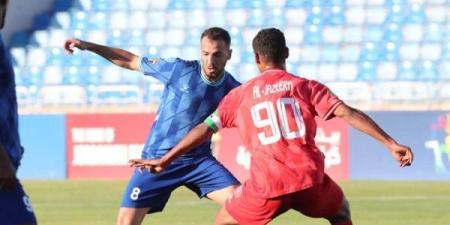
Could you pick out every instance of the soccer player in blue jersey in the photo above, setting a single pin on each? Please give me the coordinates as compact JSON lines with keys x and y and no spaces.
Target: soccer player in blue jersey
{"x":193,"y":90}
{"x":15,"y":207}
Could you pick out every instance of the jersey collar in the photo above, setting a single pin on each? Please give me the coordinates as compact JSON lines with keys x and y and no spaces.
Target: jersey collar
{"x":212,"y":83}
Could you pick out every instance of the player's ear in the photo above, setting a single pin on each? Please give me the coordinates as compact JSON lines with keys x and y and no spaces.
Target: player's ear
{"x":286,"y":52}
{"x":257,"y":58}
{"x":230,"y":52}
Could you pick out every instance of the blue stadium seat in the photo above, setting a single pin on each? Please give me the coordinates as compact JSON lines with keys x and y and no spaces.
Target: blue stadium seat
{"x":353,"y":34}
{"x":18,"y":57}
{"x":60,"y":20}
{"x":427,"y":71}
{"x":110,"y":74}
{"x":156,"y":19}
{"x":412,"y":32}
{"x":56,"y":57}
{"x":20,"y":81}
{"x":296,"y":3}
{"x":256,"y":17}
{"x":390,"y":51}
{"x":327,"y":72}
{"x":24,"y":97}
{"x":93,"y":76}
{"x":36,"y":56}
{"x":335,"y":16}
{"x":395,"y":14}
{"x":118,"y":5}
{"x":119,"y":20}
{"x":370,"y":52}
{"x":367,"y":71}
{"x":131,"y":77}
{"x":236,"y":17}
{"x":99,"y":20}
{"x":160,"y":5}
{"x":275,"y":18}
{"x":415,"y":13}
{"x":373,"y":34}
{"x":117,"y":94}
{"x":33,"y":75}
{"x":332,"y":34}
{"x":434,"y":32}
{"x":177,"y":19}
{"x":337,"y":41}
{"x":101,"y":5}
{"x":330,"y":53}
{"x":52,"y":75}
{"x":409,"y":51}
{"x":197,"y":18}
{"x":178,"y":5}
{"x":316,"y":16}
{"x":216,"y":17}
{"x":436,"y":13}
{"x":386,"y":71}
{"x":192,"y":53}
{"x":392,"y":32}
{"x":307,"y":70}
{"x":376,"y":16}
{"x":138,"y":5}
{"x":118,"y":38}
{"x":132,"y":37}
{"x":76,"y":75}
{"x":78,"y":19}
{"x":408,"y":71}
{"x":313,"y":34}
{"x":310,"y":53}
{"x":247,"y":71}
{"x":444,"y":70}
{"x":347,"y":72}
{"x":430,"y":51}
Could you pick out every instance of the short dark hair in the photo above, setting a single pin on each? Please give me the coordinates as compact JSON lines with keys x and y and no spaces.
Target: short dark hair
{"x":216,"y":34}
{"x":271,"y":44}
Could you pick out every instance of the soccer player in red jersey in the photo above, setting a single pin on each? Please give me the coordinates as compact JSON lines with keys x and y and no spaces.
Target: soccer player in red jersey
{"x":274,"y":114}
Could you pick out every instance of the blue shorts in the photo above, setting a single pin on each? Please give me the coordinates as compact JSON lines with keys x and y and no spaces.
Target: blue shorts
{"x":15,"y":208}
{"x":147,"y":190}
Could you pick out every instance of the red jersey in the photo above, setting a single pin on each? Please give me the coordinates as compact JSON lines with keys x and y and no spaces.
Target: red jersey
{"x":274,"y":114}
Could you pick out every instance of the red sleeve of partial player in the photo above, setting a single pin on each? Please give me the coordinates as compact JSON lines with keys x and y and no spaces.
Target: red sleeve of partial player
{"x":323,"y":100}
{"x":227,"y":109}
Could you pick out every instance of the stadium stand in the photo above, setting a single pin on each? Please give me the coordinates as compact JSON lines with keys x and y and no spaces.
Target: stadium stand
{"x":379,"y":51}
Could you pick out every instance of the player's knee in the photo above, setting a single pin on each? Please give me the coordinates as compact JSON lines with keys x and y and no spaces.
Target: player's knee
{"x":224,"y":218}
{"x":343,"y":217}
{"x":130,"y":216}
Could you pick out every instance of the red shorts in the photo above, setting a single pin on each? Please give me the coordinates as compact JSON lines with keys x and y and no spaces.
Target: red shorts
{"x":320,"y":201}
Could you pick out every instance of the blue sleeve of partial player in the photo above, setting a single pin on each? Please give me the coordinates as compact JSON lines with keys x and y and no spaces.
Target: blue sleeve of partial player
{"x":161,"y":69}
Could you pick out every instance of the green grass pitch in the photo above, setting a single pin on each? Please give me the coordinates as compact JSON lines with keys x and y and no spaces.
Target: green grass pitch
{"x":372,"y":203}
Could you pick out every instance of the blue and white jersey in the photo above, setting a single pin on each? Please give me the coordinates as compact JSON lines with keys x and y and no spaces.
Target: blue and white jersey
{"x":188,"y":98}
{"x":9,"y":133}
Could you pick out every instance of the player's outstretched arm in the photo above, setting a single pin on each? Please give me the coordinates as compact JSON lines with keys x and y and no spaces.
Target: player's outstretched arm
{"x":117,"y":56}
{"x":361,"y":121}
{"x":194,"y":138}
{"x":7,"y":173}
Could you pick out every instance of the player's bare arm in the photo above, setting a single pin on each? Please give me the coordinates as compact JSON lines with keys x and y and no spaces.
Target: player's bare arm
{"x":194,"y":138}
{"x":7,"y":174}
{"x":361,"y":121}
{"x":119,"y":57}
